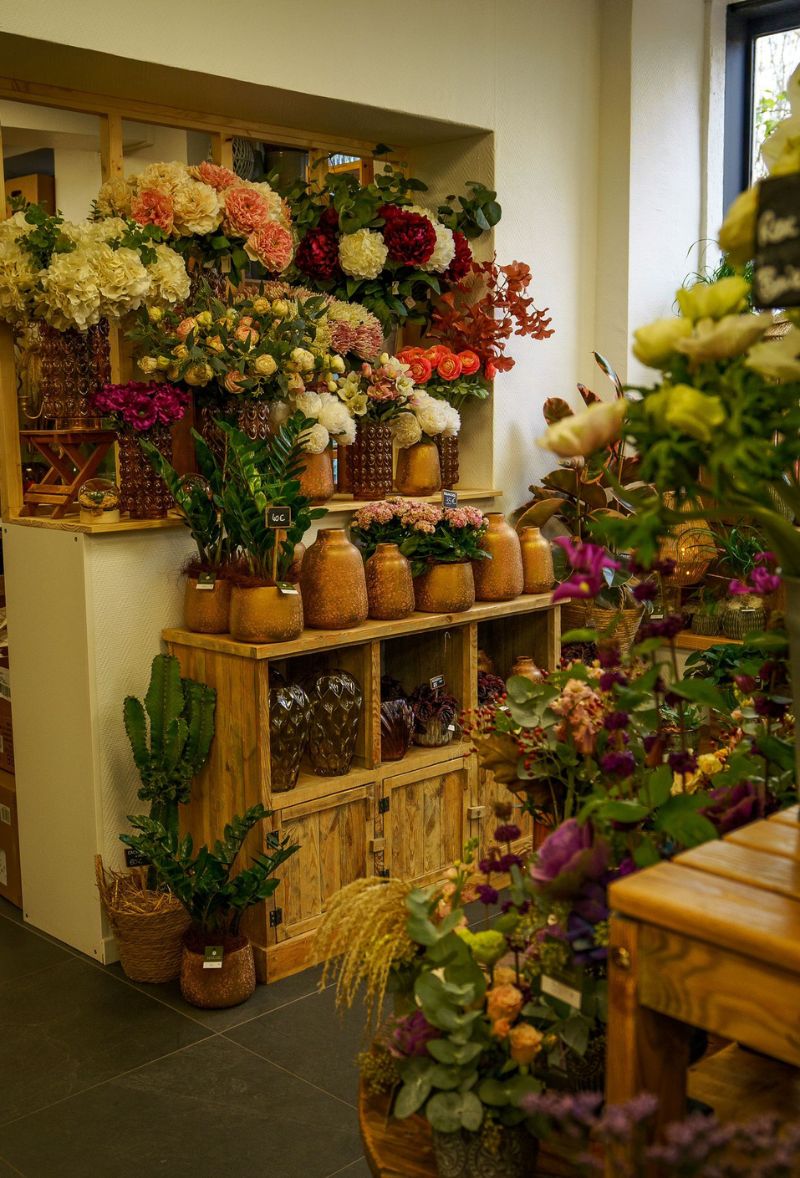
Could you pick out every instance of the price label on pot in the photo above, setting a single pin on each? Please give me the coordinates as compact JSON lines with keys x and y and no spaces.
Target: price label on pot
{"x":212,"y":958}
{"x":437,"y":682}
{"x":287,"y":590}
{"x":449,"y":499}
{"x":206,"y":580}
{"x":279,"y":517}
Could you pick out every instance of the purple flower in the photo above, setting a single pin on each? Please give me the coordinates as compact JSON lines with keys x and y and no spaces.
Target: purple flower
{"x":666,"y":627}
{"x":488,"y":865}
{"x":770,"y":708}
{"x":745,"y":683}
{"x":764,"y":582}
{"x":507,"y":833}
{"x":609,"y":678}
{"x":616,"y":720}
{"x":510,"y":906}
{"x":682,"y":762}
{"x":577,"y":586}
{"x":734,"y":806}
{"x":412,"y":1034}
{"x":738,"y":588}
{"x":506,"y":862}
{"x":646,"y":591}
{"x":618,"y":764}
{"x":567,"y":858}
{"x":608,"y":656}
{"x":766,"y":557}
{"x":588,"y":562}
{"x":487,"y":894}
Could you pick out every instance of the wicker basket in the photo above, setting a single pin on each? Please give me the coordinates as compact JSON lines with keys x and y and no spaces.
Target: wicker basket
{"x":148,"y":925}
{"x":617,"y":625}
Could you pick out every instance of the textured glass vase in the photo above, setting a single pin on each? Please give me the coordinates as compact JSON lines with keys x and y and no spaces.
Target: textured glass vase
{"x":448,"y":459}
{"x":144,"y":494}
{"x":397,"y":728}
{"x":335,"y":700}
{"x":289,"y":719}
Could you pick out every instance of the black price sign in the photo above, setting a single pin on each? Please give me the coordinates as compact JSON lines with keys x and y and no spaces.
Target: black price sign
{"x":134,"y":858}
{"x":776,"y":272}
{"x":279,"y":517}
{"x":449,"y":499}
{"x":437,"y":682}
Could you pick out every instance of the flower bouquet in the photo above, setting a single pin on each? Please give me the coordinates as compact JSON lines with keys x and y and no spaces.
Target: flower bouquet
{"x":454,"y":377}
{"x":218,"y":221}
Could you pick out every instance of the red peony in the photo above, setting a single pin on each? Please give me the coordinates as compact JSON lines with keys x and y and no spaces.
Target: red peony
{"x":151,"y":207}
{"x":329,"y":221}
{"x":409,"y":237}
{"x":459,"y":267}
{"x":318,"y":255}
{"x":470,"y":362}
{"x":388,"y":212}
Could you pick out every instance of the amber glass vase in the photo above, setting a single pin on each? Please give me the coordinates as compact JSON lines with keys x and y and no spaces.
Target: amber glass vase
{"x":499,"y":578}
{"x":447,"y":445}
{"x":390,"y":588}
{"x":144,"y":494}
{"x":73,"y":364}
{"x":335,"y":714}
{"x":418,"y":471}
{"x":333,"y":583}
{"x":372,"y":460}
{"x":537,"y":561}
{"x":397,"y":728}
{"x":289,"y":720}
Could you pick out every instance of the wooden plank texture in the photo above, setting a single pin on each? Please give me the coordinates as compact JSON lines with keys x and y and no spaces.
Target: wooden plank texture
{"x":774,"y":838}
{"x":773,"y":873}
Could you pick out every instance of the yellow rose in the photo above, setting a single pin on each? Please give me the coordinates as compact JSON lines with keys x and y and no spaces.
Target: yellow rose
{"x":233,"y":381}
{"x":337,"y":364}
{"x":198,"y":374}
{"x":777,"y":359}
{"x":155,"y":314}
{"x":686,"y":409}
{"x":280,"y":308}
{"x":303,"y":359}
{"x":265,"y":364}
{"x":504,"y":1001}
{"x":163,"y":362}
{"x":181,"y":352}
{"x":215,"y":344}
{"x":173,"y":372}
{"x":737,"y":237}
{"x":712,"y":300}
{"x":525,"y":1043}
{"x":261,"y":305}
{"x":148,"y":364}
{"x":720,"y":339}
{"x":204,"y":319}
{"x":654,"y":344}
{"x":584,"y":433}
{"x":781,"y":152}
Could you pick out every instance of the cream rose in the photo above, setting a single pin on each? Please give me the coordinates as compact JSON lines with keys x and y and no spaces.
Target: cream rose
{"x":777,"y":359}
{"x":720,"y":339}
{"x":584,"y":433}
{"x":712,"y":300}
{"x":362,"y":254}
{"x":316,"y":439}
{"x":148,"y":364}
{"x":303,"y":359}
{"x":197,"y":209}
{"x":265,"y":365}
{"x":198,"y":374}
{"x":654,"y":344}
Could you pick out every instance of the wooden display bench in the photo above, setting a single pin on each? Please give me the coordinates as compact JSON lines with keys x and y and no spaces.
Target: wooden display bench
{"x":407,"y":818}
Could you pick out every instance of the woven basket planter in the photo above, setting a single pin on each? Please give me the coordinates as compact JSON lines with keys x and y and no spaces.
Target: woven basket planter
{"x":586,"y":615}
{"x":148,"y":926}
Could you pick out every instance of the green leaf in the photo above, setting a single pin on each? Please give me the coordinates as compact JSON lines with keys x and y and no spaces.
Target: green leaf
{"x":411,"y":1096}
{"x":622,"y":811}
{"x":645,"y":855}
{"x":699,"y":691}
{"x":580,"y":635}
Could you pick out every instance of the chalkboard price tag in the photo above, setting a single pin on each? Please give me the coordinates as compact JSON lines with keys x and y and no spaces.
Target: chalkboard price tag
{"x":776,"y":272}
{"x":449,"y":499}
{"x":212,"y":958}
{"x":134,"y":858}
{"x":279,"y":517}
{"x":206,"y":580}
{"x":287,"y":590}
{"x":437,"y":682}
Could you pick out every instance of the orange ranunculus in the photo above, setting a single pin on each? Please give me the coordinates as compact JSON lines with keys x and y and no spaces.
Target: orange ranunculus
{"x":503,"y":1002}
{"x":470,"y":362}
{"x":449,"y":367}
{"x":420,"y":369}
{"x":435,"y":352}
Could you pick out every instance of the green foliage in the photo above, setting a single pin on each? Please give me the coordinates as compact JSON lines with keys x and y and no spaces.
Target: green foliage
{"x":197,"y":498}
{"x":204,"y":884}
{"x":170,"y":736}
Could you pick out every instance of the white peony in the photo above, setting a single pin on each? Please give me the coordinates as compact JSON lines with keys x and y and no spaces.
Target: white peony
{"x":169,"y":281}
{"x":432,"y":417}
{"x":166,"y":178}
{"x":334,"y":415}
{"x":453,"y":425}
{"x":406,"y":429}
{"x":309,"y":403}
{"x":197,"y":208}
{"x":122,"y":280}
{"x":363,"y":254}
{"x":444,"y":251}
{"x":316,"y":439}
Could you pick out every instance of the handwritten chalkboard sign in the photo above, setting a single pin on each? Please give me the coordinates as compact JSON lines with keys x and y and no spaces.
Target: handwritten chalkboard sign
{"x":279,"y":517}
{"x":776,"y":272}
{"x":449,"y":499}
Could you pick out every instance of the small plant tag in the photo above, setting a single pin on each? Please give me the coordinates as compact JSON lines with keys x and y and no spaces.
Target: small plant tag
{"x":225,"y":264}
{"x":451,"y":727}
{"x":212,"y":958}
{"x":279,"y":517}
{"x":561,"y":990}
{"x":206,"y":580}
{"x":134,"y":858}
{"x":449,"y":499}
{"x":437,"y":682}
{"x":287,"y":590}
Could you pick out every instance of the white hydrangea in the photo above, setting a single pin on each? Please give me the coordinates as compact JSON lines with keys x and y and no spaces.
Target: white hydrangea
{"x":443,"y":252}
{"x":309,"y":403}
{"x":406,"y":429}
{"x":70,"y":291}
{"x":363,"y":254}
{"x":334,"y":415}
{"x":17,"y":275}
{"x":169,"y":281}
{"x":316,"y":439}
{"x":122,"y":279}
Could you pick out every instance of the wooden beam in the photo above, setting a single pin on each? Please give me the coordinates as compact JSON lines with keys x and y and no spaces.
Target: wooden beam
{"x":111,"y":149}
{"x":11,"y":462}
{"x":222,"y":149}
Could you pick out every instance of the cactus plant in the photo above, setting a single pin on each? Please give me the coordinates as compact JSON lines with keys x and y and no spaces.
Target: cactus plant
{"x":170,"y":736}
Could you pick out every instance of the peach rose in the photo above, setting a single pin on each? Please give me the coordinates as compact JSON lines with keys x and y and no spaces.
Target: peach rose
{"x":215,"y":175}
{"x":246,"y":334}
{"x":525,"y":1043}
{"x":501,"y":1028}
{"x":233,"y":381}
{"x":271,"y":246}
{"x":196,"y":374}
{"x":503,"y":1002}
{"x":186,"y":326}
{"x":153,"y":208}
{"x":246,"y":211}
{"x":215,"y":344}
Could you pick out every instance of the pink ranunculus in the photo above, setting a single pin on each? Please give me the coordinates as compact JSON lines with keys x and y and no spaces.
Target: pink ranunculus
{"x":271,"y":246}
{"x":140,"y":412}
{"x":217,"y":176}
{"x":246,"y":211}
{"x":152,"y":207}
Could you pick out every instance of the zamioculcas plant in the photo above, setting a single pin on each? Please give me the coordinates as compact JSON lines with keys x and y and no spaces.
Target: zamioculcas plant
{"x":198,"y":499}
{"x":170,"y":735}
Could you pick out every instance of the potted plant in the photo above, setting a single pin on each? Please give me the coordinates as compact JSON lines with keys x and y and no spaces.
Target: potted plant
{"x":170,"y":735}
{"x":435,"y":715}
{"x":217,"y":968}
{"x":706,"y":614}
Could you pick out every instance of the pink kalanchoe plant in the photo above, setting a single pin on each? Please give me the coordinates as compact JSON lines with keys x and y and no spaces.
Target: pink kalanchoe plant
{"x":422,"y":531}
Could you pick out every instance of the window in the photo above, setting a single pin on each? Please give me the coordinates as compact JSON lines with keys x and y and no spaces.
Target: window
{"x":763,"y":50}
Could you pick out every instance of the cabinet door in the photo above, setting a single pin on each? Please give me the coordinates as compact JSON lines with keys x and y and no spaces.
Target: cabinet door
{"x":334,"y":835}
{"x":484,"y":822}
{"x":424,"y":826}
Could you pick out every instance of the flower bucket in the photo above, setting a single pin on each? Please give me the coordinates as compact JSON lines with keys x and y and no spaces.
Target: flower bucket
{"x":472,"y":1155}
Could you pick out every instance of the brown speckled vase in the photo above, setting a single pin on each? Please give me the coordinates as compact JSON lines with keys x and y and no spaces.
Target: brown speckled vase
{"x":418,"y":471}
{"x":333,"y":582}
{"x":445,"y":588}
{"x":206,"y":611}
{"x":371,"y":460}
{"x":448,"y":459}
{"x":264,"y":614}
{"x":501,"y":577}
{"x":537,"y":561}
{"x":217,"y":989}
{"x":316,"y":477}
{"x":527,"y":669}
{"x":390,"y":588}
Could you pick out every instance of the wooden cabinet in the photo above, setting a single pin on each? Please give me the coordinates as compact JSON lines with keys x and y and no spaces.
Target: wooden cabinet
{"x":408,"y":818}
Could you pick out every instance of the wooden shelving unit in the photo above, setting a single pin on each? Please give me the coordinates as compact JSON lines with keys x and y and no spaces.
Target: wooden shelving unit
{"x":409,"y":818}
{"x":686,"y":640}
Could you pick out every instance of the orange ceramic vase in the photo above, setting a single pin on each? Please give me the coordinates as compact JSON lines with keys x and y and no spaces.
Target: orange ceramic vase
{"x":499,"y":578}
{"x":537,"y":561}
{"x":390,"y":588}
{"x":418,"y":470}
{"x":333,"y":583}
{"x":316,"y":477}
{"x":206,"y":609}
{"x":445,"y":588}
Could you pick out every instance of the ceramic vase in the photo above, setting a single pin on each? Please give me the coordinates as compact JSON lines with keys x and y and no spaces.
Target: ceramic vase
{"x":217,"y":989}
{"x":397,"y":728}
{"x":448,"y":459}
{"x":289,"y":720}
{"x":143,"y":493}
{"x":316,"y":477}
{"x":344,"y":469}
{"x":537,"y":561}
{"x":526,"y":667}
{"x":333,"y":583}
{"x":335,"y":700}
{"x":445,"y":588}
{"x":418,"y":472}
{"x":265,"y":614}
{"x":206,"y":609}
{"x":371,"y":460}
{"x":390,"y":588}
{"x":499,"y":578}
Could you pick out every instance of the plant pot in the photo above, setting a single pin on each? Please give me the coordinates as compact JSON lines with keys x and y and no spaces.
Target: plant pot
{"x":448,"y":459}
{"x":467,"y":1155}
{"x":445,"y":588}
{"x":333,"y":582}
{"x":316,"y":477}
{"x":792,"y":618}
{"x":622,"y":624}
{"x":705,"y":624}
{"x":397,"y":728}
{"x":217,"y":989}
{"x":435,"y":733}
{"x":207,"y":610}
{"x":371,"y":460}
{"x":335,"y":714}
{"x":143,"y":493}
{"x":418,"y":471}
{"x":289,"y":721}
{"x":265,"y":614}
{"x":390,"y":587}
{"x":149,"y":943}
{"x":499,"y":578}
{"x":738,"y":623}
{"x":537,"y":561}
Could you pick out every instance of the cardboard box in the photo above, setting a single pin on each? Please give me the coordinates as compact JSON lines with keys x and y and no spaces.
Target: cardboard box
{"x":10,"y":877}
{"x":6,"y":735}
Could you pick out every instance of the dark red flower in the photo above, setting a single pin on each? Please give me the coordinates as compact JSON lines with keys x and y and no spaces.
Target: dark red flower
{"x":459,"y":267}
{"x":389,"y":212}
{"x":329,"y":221}
{"x":318,"y":255}
{"x":410,"y":238}
{"x":487,"y":894}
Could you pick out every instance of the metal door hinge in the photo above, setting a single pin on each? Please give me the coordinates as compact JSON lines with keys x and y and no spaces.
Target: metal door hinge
{"x":383,"y":806}
{"x":275,"y":917}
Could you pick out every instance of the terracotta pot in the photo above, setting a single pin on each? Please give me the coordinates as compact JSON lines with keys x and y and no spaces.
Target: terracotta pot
{"x":264,"y":614}
{"x":390,"y":588}
{"x":537,"y":561}
{"x":144,"y":494}
{"x":344,"y":469}
{"x":333,"y":583}
{"x":316,"y":477}
{"x":207,"y":611}
{"x":501,"y":578}
{"x":526,"y":667}
{"x":217,"y":989}
{"x":445,"y":588}
{"x":418,"y":471}
{"x":448,"y":459}
{"x":372,"y":455}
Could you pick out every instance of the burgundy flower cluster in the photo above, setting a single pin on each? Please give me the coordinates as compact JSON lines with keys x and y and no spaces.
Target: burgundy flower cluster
{"x":140,"y":405}
{"x":409,"y":237}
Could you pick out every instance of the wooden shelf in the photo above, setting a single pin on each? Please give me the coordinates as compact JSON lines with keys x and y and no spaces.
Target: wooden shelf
{"x":73,"y":523}
{"x":687,"y":640}
{"x":419,"y":758}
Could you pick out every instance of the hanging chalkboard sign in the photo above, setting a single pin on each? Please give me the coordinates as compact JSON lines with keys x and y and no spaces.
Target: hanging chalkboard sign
{"x":776,"y":272}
